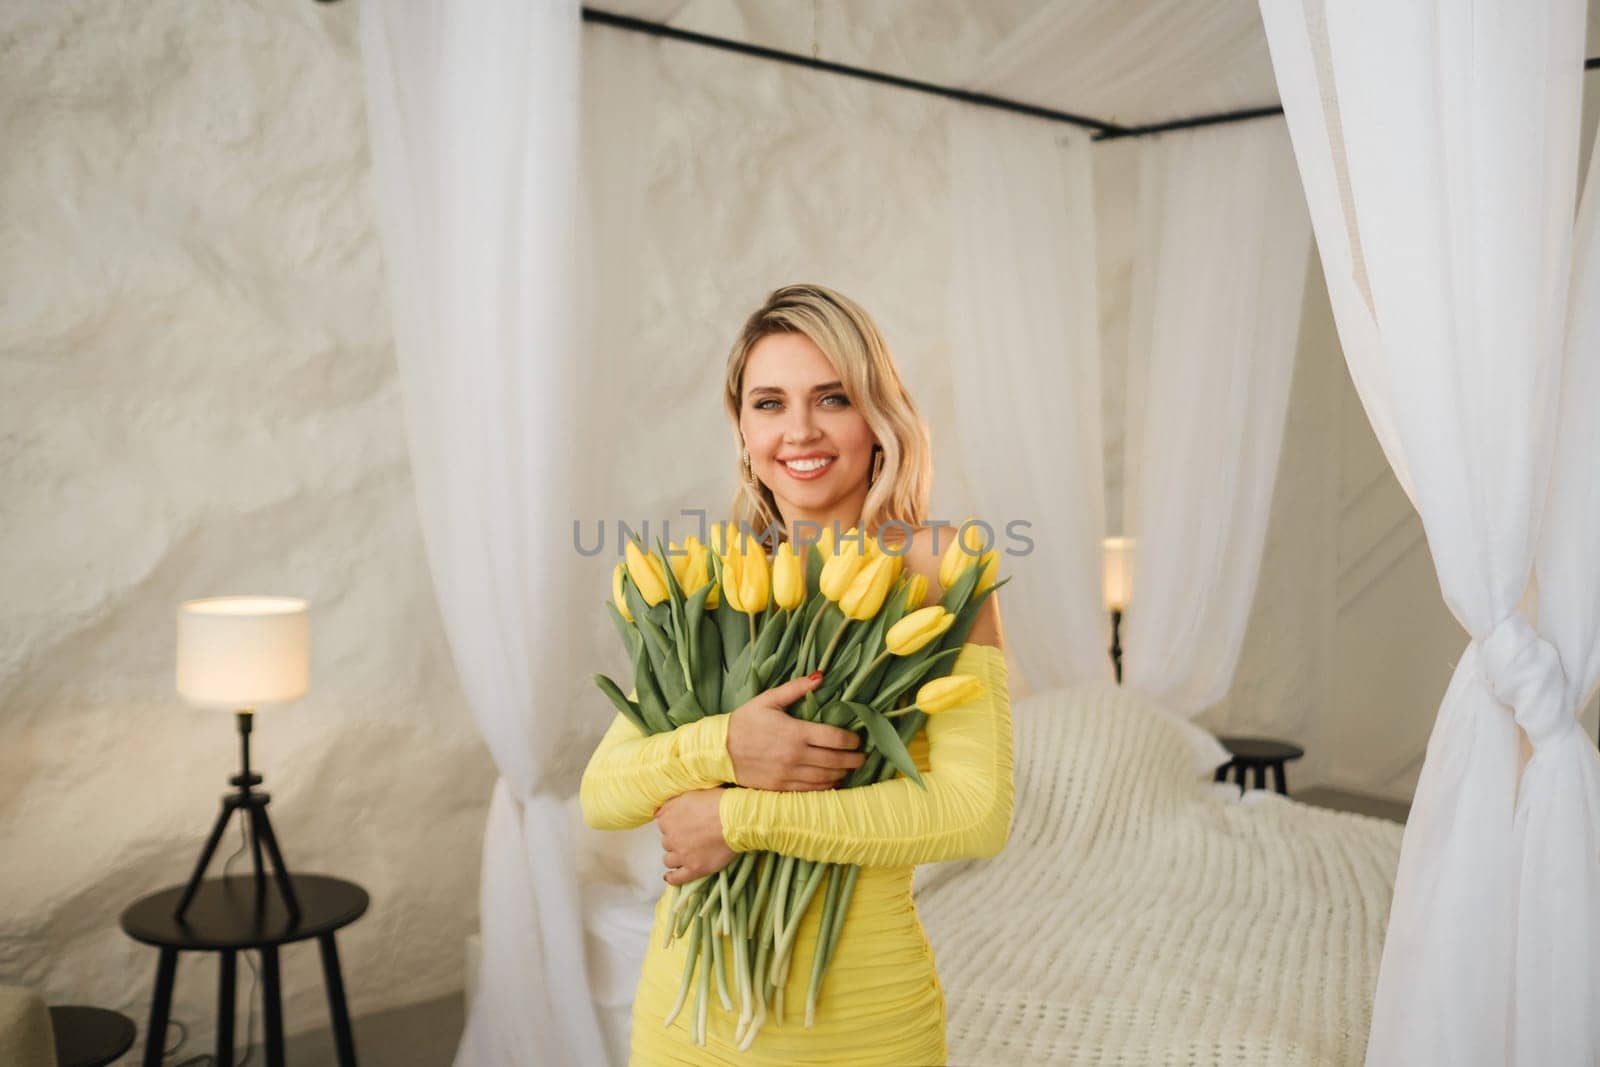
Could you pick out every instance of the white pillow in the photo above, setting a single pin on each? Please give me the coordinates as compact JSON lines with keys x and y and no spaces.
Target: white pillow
{"x":1208,"y":752}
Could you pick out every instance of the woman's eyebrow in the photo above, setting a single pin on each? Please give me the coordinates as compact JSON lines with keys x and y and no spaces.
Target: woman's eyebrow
{"x":762,"y":390}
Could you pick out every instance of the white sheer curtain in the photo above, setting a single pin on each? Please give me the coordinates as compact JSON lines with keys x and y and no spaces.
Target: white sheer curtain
{"x":1558,"y":806}
{"x":472,"y":112}
{"x":1025,"y":374}
{"x":1220,"y":266}
{"x":1437,"y":145}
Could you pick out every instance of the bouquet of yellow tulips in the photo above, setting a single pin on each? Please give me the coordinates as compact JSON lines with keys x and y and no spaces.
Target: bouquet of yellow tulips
{"x":710,"y":627}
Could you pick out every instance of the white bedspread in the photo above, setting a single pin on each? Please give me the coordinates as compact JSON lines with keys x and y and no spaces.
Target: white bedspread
{"x":1141,"y":915}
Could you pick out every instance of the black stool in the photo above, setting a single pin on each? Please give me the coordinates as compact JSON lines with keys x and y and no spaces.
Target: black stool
{"x":227,"y":916}
{"x":1258,"y":754}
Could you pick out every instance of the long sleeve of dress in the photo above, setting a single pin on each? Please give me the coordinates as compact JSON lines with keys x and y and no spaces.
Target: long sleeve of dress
{"x":630,"y":775}
{"x":964,"y":813}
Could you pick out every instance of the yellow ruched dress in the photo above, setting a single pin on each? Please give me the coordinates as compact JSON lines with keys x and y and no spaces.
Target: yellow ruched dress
{"x":881,"y":1002}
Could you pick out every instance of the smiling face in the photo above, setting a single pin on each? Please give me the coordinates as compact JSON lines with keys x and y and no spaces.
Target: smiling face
{"x":807,"y":443}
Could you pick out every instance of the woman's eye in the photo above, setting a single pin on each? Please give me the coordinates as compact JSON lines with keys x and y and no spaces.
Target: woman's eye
{"x":838,"y":400}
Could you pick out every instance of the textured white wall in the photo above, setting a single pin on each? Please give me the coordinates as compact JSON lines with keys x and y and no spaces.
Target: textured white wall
{"x":198,"y":397}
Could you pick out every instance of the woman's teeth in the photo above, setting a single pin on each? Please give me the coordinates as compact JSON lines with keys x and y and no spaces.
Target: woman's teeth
{"x":807,"y":466}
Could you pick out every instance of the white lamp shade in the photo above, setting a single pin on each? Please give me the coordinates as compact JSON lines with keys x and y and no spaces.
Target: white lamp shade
{"x":1118,"y":572}
{"x":239,"y":652}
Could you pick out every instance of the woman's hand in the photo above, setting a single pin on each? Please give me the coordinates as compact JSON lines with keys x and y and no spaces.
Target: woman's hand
{"x":692,"y":844}
{"x":772,"y":749}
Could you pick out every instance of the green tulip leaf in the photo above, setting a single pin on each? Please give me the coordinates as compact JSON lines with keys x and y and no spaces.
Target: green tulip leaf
{"x":832,"y":619}
{"x":834,"y":712}
{"x":767,"y":638}
{"x":635,"y":600}
{"x":792,"y":629}
{"x":630,"y":633}
{"x":629,"y":710}
{"x":957,"y":635}
{"x":814,"y":564}
{"x":708,"y":668}
{"x":838,"y":674}
{"x":764,"y":672}
{"x":908,"y":672}
{"x":887,"y":741}
{"x":733,"y":625}
{"x":694,"y":616}
{"x":652,"y":707}
{"x":674,"y":590}
{"x":739,"y":669}
{"x":695,"y":605}
{"x":955,"y":598}
{"x":685,"y":710}
{"x":663,"y":659}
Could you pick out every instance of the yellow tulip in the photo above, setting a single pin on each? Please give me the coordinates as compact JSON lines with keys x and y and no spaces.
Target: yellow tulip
{"x":729,"y":586}
{"x":962,"y":553}
{"x":948,"y":692}
{"x":647,"y":574}
{"x":678,"y":557}
{"x":747,"y":582}
{"x":697,"y":570}
{"x":788,"y":578}
{"x":840,"y":570}
{"x":916,"y":591}
{"x":755,"y":584}
{"x":825,"y":543}
{"x":727,"y":538}
{"x":897,"y":564}
{"x":916,"y":630}
{"x":732,"y":567}
{"x":866,"y":592}
{"x":860,"y":541}
{"x":747,"y":542}
{"x":616,"y":591}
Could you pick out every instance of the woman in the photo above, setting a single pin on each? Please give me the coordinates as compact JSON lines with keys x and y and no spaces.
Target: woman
{"x":828,"y":435}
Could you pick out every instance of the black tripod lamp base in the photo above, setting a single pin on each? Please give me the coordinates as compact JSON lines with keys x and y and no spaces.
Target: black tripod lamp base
{"x":252,"y":807}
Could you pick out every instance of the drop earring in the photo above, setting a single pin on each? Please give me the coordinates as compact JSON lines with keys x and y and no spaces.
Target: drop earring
{"x":877,"y":464}
{"x":749,"y":473}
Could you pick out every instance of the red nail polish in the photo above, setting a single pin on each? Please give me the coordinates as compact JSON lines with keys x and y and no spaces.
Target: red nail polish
{"x":816,"y":676}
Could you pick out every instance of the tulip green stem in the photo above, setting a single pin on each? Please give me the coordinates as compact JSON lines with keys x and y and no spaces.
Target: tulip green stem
{"x":857,"y":724}
{"x":688,"y":974}
{"x":862,"y":676}
{"x":844,"y":624}
{"x":811,"y":633}
{"x":819,"y":958}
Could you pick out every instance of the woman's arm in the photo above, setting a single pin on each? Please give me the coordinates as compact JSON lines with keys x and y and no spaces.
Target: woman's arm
{"x":965,"y":812}
{"x":631,"y":775}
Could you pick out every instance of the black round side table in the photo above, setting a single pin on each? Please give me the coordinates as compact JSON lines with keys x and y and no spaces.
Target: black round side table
{"x":1258,"y":754}
{"x":90,"y":1037}
{"x":226,"y":916}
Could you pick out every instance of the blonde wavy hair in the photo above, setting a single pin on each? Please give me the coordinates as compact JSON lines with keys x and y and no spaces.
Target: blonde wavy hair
{"x":846,"y":334}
